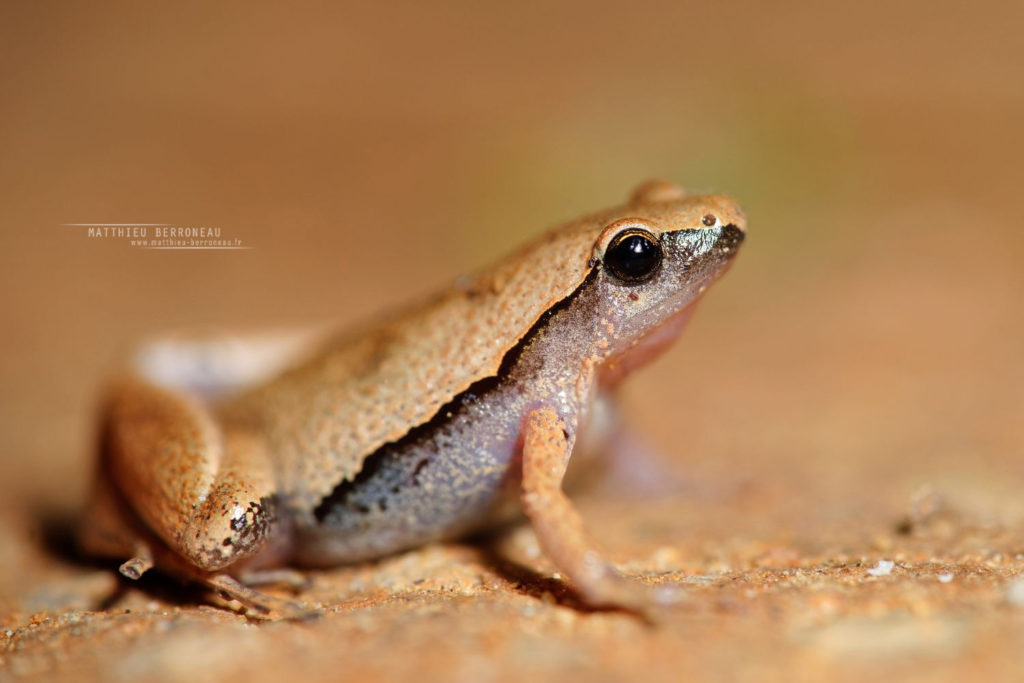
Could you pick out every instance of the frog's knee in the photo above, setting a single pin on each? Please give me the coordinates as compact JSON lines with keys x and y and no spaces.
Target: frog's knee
{"x":231,"y":523}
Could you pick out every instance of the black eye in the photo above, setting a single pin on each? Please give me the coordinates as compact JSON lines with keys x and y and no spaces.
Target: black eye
{"x":633,"y":256}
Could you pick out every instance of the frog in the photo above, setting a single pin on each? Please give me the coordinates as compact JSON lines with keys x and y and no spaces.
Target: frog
{"x":418,"y":426}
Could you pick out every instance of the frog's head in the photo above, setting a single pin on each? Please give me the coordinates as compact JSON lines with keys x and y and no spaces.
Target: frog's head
{"x":653,"y":261}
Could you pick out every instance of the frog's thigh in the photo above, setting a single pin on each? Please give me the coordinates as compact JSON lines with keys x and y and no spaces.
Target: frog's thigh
{"x":557,"y":524}
{"x":206,"y":494}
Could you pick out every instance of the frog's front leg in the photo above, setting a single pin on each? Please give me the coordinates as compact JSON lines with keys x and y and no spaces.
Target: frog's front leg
{"x":558,"y":526}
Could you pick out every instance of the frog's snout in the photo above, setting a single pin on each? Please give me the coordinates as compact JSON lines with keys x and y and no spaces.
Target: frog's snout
{"x":731,"y":237}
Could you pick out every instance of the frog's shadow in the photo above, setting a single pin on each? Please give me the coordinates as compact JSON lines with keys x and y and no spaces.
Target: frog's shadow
{"x":536,"y":585}
{"x":528,"y":581}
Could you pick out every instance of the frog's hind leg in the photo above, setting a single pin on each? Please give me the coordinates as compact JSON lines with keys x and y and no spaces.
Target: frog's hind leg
{"x":111,"y":531}
{"x":208,"y":495}
{"x":178,"y":493}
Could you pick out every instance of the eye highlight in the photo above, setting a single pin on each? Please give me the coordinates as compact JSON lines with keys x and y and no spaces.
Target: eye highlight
{"x":633,"y":256}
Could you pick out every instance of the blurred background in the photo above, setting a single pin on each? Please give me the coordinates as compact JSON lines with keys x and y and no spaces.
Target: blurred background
{"x":372,"y":152}
{"x":868,"y":341}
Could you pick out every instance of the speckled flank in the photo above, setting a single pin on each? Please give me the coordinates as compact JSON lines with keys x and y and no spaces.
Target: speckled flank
{"x":449,"y":475}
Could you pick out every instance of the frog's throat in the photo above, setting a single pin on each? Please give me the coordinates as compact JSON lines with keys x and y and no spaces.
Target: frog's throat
{"x":650,"y":346}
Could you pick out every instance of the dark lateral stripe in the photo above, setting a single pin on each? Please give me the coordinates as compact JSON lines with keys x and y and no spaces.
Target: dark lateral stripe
{"x":478,"y":391}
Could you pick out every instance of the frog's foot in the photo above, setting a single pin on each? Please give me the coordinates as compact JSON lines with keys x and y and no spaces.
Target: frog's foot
{"x":138,"y":565}
{"x":559,"y":528}
{"x":259,"y":605}
{"x":295,"y":580}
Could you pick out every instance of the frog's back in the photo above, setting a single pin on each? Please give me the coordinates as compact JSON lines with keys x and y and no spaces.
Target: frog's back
{"x":372,"y":385}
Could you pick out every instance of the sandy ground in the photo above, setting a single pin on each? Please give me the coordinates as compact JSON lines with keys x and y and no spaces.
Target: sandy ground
{"x":840,"y":433}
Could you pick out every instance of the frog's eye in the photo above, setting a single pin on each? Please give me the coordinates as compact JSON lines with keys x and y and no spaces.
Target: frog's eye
{"x":633,"y":256}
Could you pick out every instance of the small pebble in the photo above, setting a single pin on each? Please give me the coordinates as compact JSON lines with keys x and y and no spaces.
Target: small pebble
{"x":884,"y":568}
{"x":1015,"y":593}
